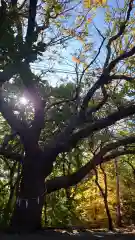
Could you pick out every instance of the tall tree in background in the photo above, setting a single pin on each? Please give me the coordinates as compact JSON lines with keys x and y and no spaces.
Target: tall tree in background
{"x":118,"y":208}
{"x":24,"y":37}
{"x":104,"y":193}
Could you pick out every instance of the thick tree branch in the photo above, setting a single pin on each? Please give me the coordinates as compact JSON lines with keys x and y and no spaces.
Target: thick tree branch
{"x":69,"y":180}
{"x":104,"y":79}
{"x":28,"y":81}
{"x":65,"y":140}
{"x":77,"y":120}
{"x":99,"y":124}
{"x":117,"y":153}
{"x":114,"y":145}
{"x":31,"y":21}
{"x":73,"y":179}
{"x":123,"y":56}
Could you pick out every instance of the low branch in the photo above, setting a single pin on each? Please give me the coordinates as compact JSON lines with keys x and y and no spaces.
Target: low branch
{"x":69,"y":180}
{"x":73,"y":179}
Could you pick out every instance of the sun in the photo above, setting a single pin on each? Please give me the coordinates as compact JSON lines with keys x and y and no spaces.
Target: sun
{"x":23,"y":101}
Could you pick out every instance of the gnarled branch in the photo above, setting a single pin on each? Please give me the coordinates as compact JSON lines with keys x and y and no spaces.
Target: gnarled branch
{"x":73,"y":179}
{"x":123,"y":112}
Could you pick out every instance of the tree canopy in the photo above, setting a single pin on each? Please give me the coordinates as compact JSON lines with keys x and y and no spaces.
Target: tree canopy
{"x":59,"y":125}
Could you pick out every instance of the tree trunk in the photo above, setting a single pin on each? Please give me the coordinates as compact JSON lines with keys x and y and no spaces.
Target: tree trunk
{"x":118,"y":211}
{"x":28,"y":207}
{"x":110,"y":224}
{"x":104,"y":194}
{"x":45,"y":211}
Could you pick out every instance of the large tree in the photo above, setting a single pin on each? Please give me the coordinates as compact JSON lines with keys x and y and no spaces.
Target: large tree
{"x":24,"y":37}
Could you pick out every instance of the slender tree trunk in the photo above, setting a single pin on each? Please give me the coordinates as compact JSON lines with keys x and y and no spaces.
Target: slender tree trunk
{"x":45,"y":211}
{"x":118,"y":211}
{"x":110,"y":224}
{"x":104,"y":194}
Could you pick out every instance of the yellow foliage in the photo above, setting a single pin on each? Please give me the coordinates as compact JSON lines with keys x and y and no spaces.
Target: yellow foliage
{"x":91,"y":207}
{"x":88,"y":3}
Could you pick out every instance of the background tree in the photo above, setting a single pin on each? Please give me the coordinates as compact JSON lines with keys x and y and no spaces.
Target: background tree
{"x":104,"y":193}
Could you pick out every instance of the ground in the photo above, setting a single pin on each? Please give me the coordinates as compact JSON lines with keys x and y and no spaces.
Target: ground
{"x":74,"y":235}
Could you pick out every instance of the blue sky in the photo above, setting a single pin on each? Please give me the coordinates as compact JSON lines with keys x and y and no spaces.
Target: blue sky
{"x":75,"y":44}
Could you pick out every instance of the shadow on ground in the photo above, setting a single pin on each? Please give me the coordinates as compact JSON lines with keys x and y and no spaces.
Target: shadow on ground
{"x":72,"y":235}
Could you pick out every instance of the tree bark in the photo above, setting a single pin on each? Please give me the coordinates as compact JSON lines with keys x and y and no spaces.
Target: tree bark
{"x":30,"y":198}
{"x":118,"y":211}
{"x":104,"y":194}
{"x":110,"y":224}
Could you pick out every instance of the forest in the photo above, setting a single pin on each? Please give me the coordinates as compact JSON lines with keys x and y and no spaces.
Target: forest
{"x":67,"y":114}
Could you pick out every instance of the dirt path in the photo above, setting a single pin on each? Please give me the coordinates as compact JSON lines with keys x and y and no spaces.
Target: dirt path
{"x":52,"y":235}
